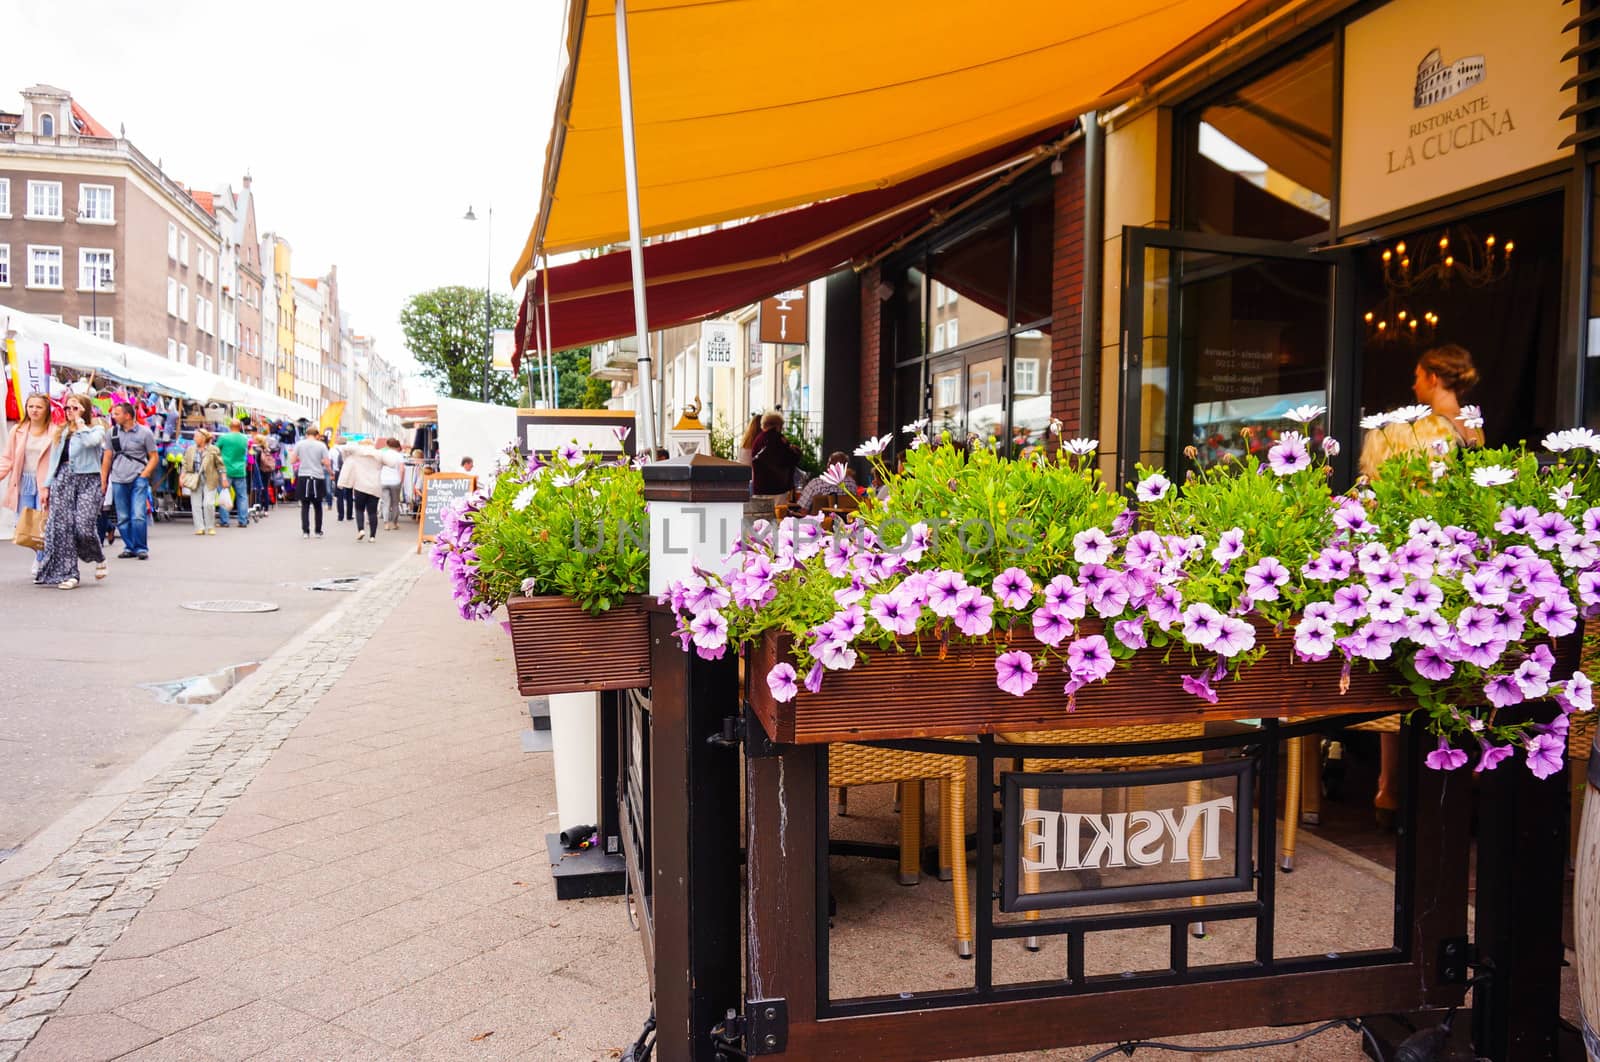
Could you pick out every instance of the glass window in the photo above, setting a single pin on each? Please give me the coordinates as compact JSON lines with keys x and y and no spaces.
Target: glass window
{"x":986,"y":398}
{"x":946,"y":414}
{"x":791,"y":377}
{"x":94,"y":202}
{"x":976,"y":266}
{"x":908,"y":310}
{"x":44,"y":200}
{"x":752,"y":346}
{"x":47,"y":125}
{"x":44,"y":267}
{"x":5,"y":265}
{"x":95,"y":272}
{"x":172,"y":348}
{"x":1030,"y":391}
{"x":183,"y":302}
{"x":99,"y":326}
{"x":1035,"y":258}
{"x":1259,"y":160}
{"x":938,"y":337}
{"x":5,"y":197}
{"x":172,"y":240}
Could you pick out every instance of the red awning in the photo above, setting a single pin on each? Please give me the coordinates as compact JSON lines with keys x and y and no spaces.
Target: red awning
{"x":700,"y":276}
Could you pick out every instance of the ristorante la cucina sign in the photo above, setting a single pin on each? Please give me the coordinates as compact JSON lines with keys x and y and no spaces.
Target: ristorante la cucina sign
{"x":1441,"y":97}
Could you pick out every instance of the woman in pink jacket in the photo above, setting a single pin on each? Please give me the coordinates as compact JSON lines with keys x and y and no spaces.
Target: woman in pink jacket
{"x":25,"y":461}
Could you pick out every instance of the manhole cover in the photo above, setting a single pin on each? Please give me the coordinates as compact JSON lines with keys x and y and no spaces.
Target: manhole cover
{"x":230,"y":606}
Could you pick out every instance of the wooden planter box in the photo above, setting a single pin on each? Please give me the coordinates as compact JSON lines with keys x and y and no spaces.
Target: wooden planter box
{"x":559,"y":648}
{"x":907,"y":694}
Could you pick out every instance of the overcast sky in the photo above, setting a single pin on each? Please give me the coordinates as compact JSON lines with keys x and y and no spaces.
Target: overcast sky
{"x":367,"y":128}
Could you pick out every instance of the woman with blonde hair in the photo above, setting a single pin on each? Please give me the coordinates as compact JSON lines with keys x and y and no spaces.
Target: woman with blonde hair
{"x":77,"y":484}
{"x":746,"y":444}
{"x":25,"y":462}
{"x":203,"y":476}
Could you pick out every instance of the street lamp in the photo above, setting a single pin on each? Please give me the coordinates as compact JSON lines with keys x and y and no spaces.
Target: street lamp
{"x":488,"y":315}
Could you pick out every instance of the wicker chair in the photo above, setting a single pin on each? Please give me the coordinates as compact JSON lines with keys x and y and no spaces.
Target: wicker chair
{"x":1113,"y":736}
{"x":850,"y":765}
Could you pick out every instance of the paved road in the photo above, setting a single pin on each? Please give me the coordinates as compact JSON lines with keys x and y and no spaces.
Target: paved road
{"x":71,"y":663}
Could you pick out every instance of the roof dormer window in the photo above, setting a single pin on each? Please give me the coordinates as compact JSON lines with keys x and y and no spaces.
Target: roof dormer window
{"x":47,"y":125}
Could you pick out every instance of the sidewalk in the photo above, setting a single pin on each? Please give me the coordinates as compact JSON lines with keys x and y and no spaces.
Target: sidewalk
{"x":357,"y":871}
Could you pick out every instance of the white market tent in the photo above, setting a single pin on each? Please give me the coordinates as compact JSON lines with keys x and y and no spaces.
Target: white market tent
{"x":76,"y":349}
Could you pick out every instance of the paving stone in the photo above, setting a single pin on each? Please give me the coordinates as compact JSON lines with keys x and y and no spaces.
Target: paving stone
{"x":57,"y":980}
{"x":21,"y":1029}
{"x":41,"y":1003}
{"x":11,"y":980}
{"x":26,"y":958}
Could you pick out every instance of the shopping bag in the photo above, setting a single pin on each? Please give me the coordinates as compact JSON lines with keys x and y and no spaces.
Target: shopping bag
{"x":30,"y":529}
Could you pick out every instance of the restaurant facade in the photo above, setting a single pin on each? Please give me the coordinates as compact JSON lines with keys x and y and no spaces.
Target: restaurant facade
{"x":1293,"y":218}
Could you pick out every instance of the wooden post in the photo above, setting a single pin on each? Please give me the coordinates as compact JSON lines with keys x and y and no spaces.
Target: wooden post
{"x":694,"y":780}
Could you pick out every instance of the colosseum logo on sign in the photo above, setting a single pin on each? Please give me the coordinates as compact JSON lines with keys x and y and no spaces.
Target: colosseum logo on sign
{"x":1458,"y":127}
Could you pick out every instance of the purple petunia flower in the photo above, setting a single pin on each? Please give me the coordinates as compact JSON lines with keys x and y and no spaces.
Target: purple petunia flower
{"x":781,"y":681}
{"x":1230,"y":545}
{"x":1153,"y":487}
{"x":1415,"y":558}
{"x":1289,"y":455}
{"x":1557,"y":615}
{"x":1094,"y":578}
{"x":1503,"y":691}
{"x":894,"y":613}
{"x":1089,"y":659}
{"x":1549,"y":531}
{"x":1313,"y":638}
{"x":1112,"y":600}
{"x":1372,"y":558}
{"x":1589,"y":588}
{"x":1013,"y":589}
{"x":1386,"y":606}
{"x":1200,"y":686}
{"x":974,"y":613}
{"x":1431,"y":664}
{"x":1164,"y":607}
{"x":1445,"y":758}
{"x":710,"y":629}
{"x":1236,"y":637}
{"x":1143,"y":550}
{"x":1202,"y":625}
{"x":1093,"y":546}
{"x":1389,"y":577}
{"x":1050,"y":626}
{"x":1516,"y":521}
{"x":1350,"y":604}
{"x":1491,"y":756}
{"x":1532,"y":678}
{"x":814,"y":678}
{"x":1066,"y":597}
{"x":1544,"y":754}
{"x":1486,"y":587}
{"x":1475,"y":625}
{"x":943,"y":590}
{"x":1130,"y":632}
{"x":1125,"y":522}
{"x":835,"y":656}
{"x":1014,"y":672}
{"x":1263,"y":578}
{"x":1422,"y":597}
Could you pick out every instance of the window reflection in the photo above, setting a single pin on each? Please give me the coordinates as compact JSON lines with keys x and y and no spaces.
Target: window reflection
{"x":971,"y":275}
{"x":1260,"y":159}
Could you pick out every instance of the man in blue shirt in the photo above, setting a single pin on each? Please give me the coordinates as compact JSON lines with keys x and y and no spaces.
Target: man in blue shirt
{"x":128,"y":462}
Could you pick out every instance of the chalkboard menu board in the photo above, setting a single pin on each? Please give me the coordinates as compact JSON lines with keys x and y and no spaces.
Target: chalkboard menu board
{"x":438,"y":491}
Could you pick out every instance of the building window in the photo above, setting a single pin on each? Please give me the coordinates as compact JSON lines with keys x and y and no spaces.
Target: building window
{"x":172,"y":241}
{"x":938,"y":337}
{"x":5,"y":265}
{"x":44,"y":200}
{"x":183,"y":248}
{"x":183,"y":353}
{"x":47,"y":125}
{"x":183,"y":302}
{"x":172,"y":349}
{"x":44,"y":267}
{"x":95,"y":203}
{"x":99,"y":326}
{"x":951,"y":333}
{"x":1027,"y":376}
{"x":5,"y":197}
{"x":172,"y":296}
{"x":95,"y":271}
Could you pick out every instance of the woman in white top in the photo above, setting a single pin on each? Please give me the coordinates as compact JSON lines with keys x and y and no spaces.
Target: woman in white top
{"x":363,"y":475}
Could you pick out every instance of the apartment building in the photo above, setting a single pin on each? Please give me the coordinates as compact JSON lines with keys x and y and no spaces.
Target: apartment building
{"x":94,"y":234}
{"x":309,"y":342}
{"x":241,"y":284}
{"x":276,"y":250}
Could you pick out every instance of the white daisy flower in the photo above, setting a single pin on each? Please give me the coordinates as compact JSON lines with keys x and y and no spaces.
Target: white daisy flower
{"x":1493,"y":475}
{"x":1305,"y":414}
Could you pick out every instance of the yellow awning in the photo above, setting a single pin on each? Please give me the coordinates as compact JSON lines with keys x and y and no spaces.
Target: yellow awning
{"x":745,"y":107}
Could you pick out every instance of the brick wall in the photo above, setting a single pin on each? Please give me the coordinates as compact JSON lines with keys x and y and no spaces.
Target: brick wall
{"x":1066,"y":333}
{"x":872,"y":373}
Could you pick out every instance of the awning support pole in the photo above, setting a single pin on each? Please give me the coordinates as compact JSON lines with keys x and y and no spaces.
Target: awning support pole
{"x":630,"y":163}
{"x":547,"y":365}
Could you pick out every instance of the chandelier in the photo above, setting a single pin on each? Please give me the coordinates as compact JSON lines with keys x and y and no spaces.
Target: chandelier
{"x":1413,"y":277}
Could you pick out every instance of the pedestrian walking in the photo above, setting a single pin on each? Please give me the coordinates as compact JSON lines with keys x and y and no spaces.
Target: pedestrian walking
{"x":362,"y":474}
{"x":203,"y":477}
{"x":25,"y":462}
{"x":392,"y":477}
{"x":127,"y":465}
{"x":343,"y":496}
{"x":77,"y":479}
{"x":235,"y":447}
{"x":312,"y":466}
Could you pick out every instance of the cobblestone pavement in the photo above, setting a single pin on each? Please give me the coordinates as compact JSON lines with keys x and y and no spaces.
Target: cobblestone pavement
{"x":54,"y":925}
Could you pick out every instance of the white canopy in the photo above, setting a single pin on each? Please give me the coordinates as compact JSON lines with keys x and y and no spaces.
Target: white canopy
{"x":81,"y":350}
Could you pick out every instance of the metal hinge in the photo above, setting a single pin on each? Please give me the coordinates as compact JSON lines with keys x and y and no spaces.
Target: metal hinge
{"x":762,"y":1030}
{"x":1455,"y":954}
{"x":731,"y":734}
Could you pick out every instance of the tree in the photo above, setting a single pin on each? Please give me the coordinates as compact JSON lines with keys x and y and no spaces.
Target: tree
{"x":575,"y":388}
{"x":444,"y":331}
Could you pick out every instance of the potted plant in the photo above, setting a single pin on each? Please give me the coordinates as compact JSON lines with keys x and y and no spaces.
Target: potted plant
{"x":986,"y":595}
{"x":563,"y":545}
